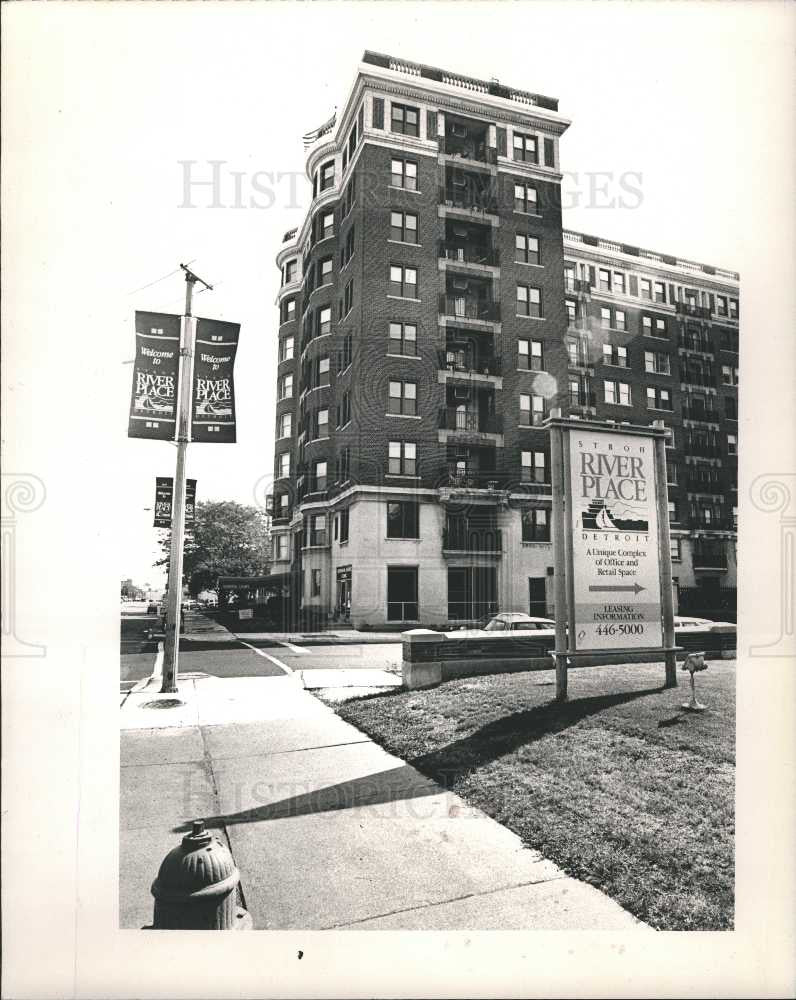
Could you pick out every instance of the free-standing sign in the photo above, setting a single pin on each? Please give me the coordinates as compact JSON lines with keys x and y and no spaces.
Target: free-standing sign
{"x":614,"y":525}
{"x":164,"y":491}
{"x":213,"y":408}
{"x":153,"y":407}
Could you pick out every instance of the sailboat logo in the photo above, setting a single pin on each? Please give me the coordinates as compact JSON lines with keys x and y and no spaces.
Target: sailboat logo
{"x":598,"y":517}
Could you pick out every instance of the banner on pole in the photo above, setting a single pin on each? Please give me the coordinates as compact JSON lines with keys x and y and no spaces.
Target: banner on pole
{"x":213,"y":393}
{"x":614,"y":529}
{"x":164,"y":493}
{"x":153,"y":406}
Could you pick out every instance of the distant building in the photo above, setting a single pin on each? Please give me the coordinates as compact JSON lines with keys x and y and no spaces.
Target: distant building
{"x":432,"y":311}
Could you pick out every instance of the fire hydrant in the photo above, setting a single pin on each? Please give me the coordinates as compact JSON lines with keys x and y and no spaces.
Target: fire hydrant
{"x":195,"y":887}
{"x":694,"y":663}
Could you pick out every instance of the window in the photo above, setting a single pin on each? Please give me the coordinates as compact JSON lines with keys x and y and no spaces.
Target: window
{"x":401,"y":593}
{"x":286,"y":347}
{"x":344,"y":519}
{"x":403,"y":281}
{"x":619,"y":283}
{"x":348,"y":297}
{"x":646,"y":288}
{"x":732,"y":444}
{"x":283,"y":465}
{"x":402,"y":398}
{"x":321,"y":424}
{"x":656,"y":363}
{"x":527,"y":249}
{"x":525,"y":199}
{"x":348,"y":195}
{"x":534,"y":467}
{"x":402,"y":458}
{"x":530,"y":355}
{"x":472,"y":592}
{"x":620,"y":320}
{"x":344,"y":409}
{"x":327,"y":175}
{"x":347,"y":251}
{"x":319,"y":476}
{"x":617,"y":393}
{"x":529,"y":301}
{"x":403,"y":227}
{"x":285,"y":387}
{"x":531,"y":410}
{"x":572,"y":311}
{"x":404,"y":174}
{"x":525,"y":148}
{"x":288,"y":310}
{"x":322,"y":372}
{"x":731,"y":408}
{"x":616,"y":356}
{"x":604,"y":279}
{"x":402,"y":339}
{"x":674,"y":549}
{"x":345,"y":355}
{"x":570,"y":276}
{"x":327,"y":225}
{"x":721,"y":305}
{"x":325,"y":269}
{"x":318,"y":529}
{"x":343,"y":464}
{"x":290,"y":272}
{"x":315,"y":583}
{"x":658,"y":399}
{"x":734,"y":308}
{"x":535,"y":525}
{"x":402,"y":519}
{"x":281,"y":547}
{"x":323,"y":321}
{"x":729,"y":375}
{"x":671,"y":473}
{"x":605,"y":317}
{"x":660,"y":291}
{"x":653,"y":328}
{"x":674,"y":513}
{"x":285,"y":425}
{"x":404,"y":119}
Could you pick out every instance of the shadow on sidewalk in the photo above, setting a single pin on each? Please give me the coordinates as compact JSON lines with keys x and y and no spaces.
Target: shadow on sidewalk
{"x":439,"y":769}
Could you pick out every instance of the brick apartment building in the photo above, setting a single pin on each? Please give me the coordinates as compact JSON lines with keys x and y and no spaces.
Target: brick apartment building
{"x":432,"y":312}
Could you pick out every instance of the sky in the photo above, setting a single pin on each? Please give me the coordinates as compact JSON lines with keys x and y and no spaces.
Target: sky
{"x":105,"y":104}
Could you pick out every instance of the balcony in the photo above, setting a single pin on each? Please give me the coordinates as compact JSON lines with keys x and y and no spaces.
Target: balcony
{"x":468,"y":148}
{"x":700,"y":344}
{"x":702,"y":449}
{"x":466,"y":307}
{"x":468,"y":200}
{"x":469,"y":421}
{"x":705,"y":379}
{"x":700,"y":414}
{"x":709,"y":557}
{"x":697,"y":483}
{"x":691,"y":309}
{"x":576,"y":285}
{"x":464,"y":537}
{"x":458,"y":253}
{"x":724,"y":523}
{"x":454,"y":477}
{"x":584,"y":399}
{"x":459,"y":362}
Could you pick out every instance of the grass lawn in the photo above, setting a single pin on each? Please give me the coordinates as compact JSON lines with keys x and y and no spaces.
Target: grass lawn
{"x":619,"y":786}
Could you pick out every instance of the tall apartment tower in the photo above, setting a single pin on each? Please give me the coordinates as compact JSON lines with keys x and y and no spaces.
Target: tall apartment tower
{"x":425,"y":333}
{"x":656,"y":337}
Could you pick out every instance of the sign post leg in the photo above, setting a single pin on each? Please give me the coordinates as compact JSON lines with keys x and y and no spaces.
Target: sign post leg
{"x":665,"y":561}
{"x":559,"y":554}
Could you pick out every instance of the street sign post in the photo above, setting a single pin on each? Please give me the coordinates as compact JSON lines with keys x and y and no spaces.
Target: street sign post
{"x":611,"y":542}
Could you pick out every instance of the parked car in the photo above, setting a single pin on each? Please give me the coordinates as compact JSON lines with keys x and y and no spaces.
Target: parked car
{"x":152,"y":608}
{"x":509,"y":621}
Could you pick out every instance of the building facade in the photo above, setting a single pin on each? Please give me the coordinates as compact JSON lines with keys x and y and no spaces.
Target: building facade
{"x":432,"y":312}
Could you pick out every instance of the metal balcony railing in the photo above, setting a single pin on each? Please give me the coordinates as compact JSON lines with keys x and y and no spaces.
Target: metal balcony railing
{"x":466,"y":307}
{"x":467,"y":149}
{"x":704,"y":449}
{"x":583,"y":398}
{"x":701,"y":414}
{"x":723,"y":523}
{"x":698,"y":378}
{"x":689,"y":309}
{"x":468,"y":254}
{"x":459,"y":419}
{"x":462,"y":361}
{"x":468,"y":200}
{"x":474,"y":479}
{"x":701,"y":344}
{"x":709,"y":557}
{"x":702,"y":484}
{"x":465,"y":538}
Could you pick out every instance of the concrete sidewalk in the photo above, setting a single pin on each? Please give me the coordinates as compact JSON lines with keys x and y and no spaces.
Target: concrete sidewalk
{"x":328,"y":830}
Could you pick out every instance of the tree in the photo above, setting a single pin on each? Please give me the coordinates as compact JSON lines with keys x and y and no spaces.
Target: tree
{"x":228,"y":539}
